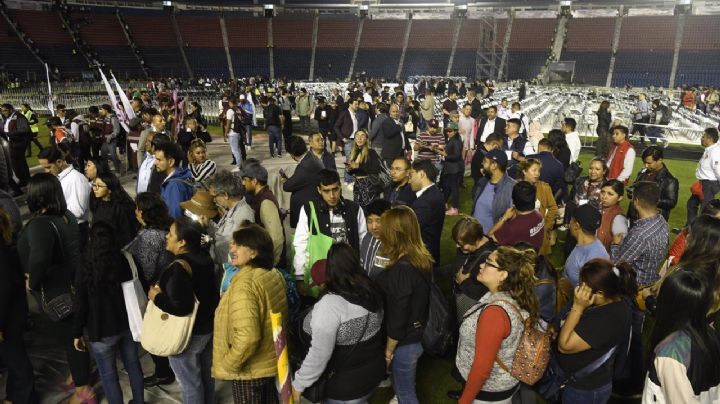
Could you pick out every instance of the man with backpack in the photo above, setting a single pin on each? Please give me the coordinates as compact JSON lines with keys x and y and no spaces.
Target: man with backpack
{"x":660,"y":115}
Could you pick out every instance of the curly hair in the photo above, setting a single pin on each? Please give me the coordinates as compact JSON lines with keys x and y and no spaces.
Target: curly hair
{"x":520,"y":281}
{"x":194,"y":144}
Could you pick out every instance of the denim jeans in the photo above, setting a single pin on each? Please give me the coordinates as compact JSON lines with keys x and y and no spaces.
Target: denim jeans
{"x":710,"y":188}
{"x":600,"y":395}
{"x":655,"y":134}
{"x":248,"y":135}
{"x":347,"y":147}
{"x":234,"y":140}
{"x":192,"y":370}
{"x":105,"y":352}
{"x":362,"y":400}
{"x":274,"y":139}
{"x":108,"y":150}
{"x":404,"y":365}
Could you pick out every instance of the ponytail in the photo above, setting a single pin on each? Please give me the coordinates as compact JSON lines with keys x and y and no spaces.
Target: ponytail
{"x":520,"y":282}
{"x":614,"y":280}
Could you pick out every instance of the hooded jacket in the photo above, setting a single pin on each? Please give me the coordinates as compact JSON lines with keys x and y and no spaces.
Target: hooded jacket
{"x":175,"y":189}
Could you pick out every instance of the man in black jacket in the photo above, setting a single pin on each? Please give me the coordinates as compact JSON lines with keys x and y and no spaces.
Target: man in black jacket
{"x":394,"y":142}
{"x":477,"y":111}
{"x":552,"y":170}
{"x":490,"y":124}
{"x":656,"y":171}
{"x":303,"y":183}
{"x":429,"y":205}
{"x":16,"y":130}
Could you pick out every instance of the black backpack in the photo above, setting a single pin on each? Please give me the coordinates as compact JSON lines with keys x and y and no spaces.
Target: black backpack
{"x":437,"y":335}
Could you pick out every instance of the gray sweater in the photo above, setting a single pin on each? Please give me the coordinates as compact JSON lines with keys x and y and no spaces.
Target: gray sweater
{"x":333,"y":321}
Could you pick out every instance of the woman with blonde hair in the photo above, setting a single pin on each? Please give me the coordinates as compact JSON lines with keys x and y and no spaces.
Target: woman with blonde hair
{"x":530,"y":171}
{"x":491,"y":331}
{"x":201,"y":167}
{"x":363,"y":163}
{"x":406,"y":284}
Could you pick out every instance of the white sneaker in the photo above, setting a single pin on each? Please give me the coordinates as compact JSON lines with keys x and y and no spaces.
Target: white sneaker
{"x":393,"y":400}
{"x":234,"y":170}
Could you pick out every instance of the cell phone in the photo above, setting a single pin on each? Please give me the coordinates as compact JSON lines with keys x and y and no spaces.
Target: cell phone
{"x":282,"y":173}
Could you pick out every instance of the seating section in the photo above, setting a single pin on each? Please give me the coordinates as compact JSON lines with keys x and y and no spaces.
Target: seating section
{"x":698,"y":67}
{"x":532,"y":33}
{"x":648,"y":33}
{"x":208,"y":62}
{"x":335,"y":47}
{"x":464,"y":63}
{"x":701,"y":32}
{"x":590,"y":34}
{"x":380,"y":48}
{"x":44,"y":28}
{"x":590,"y":67}
{"x":425,"y":62}
{"x":62,"y":57}
{"x":249,"y":62}
{"x":15,"y":57}
{"x":105,"y":35}
{"x":152,"y":31}
{"x":292,"y":41}
{"x":293,"y":64}
{"x":642,"y":68}
{"x":332,"y":64}
{"x":525,"y":64}
{"x":381,"y":63}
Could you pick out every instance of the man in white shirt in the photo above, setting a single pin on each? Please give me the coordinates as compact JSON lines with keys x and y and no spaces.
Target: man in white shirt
{"x":572,"y":138}
{"x":503,"y":111}
{"x":524,"y":120}
{"x":233,"y":133}
{"x":148,"y":165}
{"x":707,"y":173}
{"x":340,"y":219}
{"x":75,"y":186}
{"x":466,"y":126}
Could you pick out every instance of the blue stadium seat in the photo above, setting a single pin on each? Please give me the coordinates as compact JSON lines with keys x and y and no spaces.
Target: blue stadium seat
{"x":642,"y":68}
{"x":464,"y":63}
{"x":525,"y":64}
{"x":164,"y":61}
{"x":210,"y":62}
{"x":332,"y":64}
{"x":249,"y":62}
{"x":381,"y":63}
{"x":591,"y":67}
{"x":698,"y":67}
{"x":293,"y":64}
{"x":425,"y":62}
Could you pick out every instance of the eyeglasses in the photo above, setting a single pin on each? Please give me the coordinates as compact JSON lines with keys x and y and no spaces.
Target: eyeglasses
{"x":98,"y":186}
{"x":488,"y":263}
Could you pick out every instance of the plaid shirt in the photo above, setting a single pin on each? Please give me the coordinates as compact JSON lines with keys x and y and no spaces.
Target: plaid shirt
{"x":644,"y":248}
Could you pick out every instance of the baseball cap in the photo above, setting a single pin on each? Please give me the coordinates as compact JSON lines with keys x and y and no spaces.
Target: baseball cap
{"x":241,"y":97}
{"x":318,"y":273}
{"x":498,"y":156}
{"x":433,"y":123}
{"x":452,"y":125}
{"x":254,"y":170}
{"x":588,"y":217}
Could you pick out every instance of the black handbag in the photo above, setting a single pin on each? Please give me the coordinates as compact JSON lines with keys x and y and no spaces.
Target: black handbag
{"x":316,"y":392}
{"x":572,"y":172}
{"x":382,"y":179}
{"x":554,"y":380}
{"x":61,"y":306}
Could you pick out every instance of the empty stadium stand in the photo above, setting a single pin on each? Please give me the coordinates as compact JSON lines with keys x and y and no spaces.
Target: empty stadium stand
{"x":530,"y":41}
{"x":380,"y":48}
{"x":335,"y":47}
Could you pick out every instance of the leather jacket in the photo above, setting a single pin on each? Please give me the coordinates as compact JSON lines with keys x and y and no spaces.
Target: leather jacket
{"x":668,"y":192}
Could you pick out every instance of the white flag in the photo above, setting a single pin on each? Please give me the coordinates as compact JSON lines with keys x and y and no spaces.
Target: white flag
{"x":50,"y":104}
{"x":114,"y":102}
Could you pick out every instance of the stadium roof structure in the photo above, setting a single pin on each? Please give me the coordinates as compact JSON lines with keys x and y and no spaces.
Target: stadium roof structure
{"x":398,"y":8}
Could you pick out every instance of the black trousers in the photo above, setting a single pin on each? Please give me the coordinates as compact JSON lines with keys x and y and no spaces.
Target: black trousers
{"x":162,"y":366}
{"x":19,"y":164}
{"x":288,"y":128}
{"x":19,"y":386}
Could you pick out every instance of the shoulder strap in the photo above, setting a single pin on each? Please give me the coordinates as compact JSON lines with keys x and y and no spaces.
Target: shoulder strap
{"x":591,"y":367}
{"x":313,"y":219}
{"x":131,"y":261}
{"x":347,"y":356}
{"x":519,"y":312}
{"x":184,"y":264}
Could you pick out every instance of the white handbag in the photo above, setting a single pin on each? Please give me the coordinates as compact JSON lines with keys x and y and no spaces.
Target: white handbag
{"x":135,"y":299}
{"x":164,"y":334}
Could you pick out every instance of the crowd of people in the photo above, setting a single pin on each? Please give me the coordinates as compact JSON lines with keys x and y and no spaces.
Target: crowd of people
{"x":354,"y":281}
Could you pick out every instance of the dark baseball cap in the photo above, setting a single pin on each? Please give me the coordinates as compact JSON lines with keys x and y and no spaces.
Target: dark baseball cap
{"x":253,"y":169}
{"x":588,"y":217}
{"x":498,"y":156}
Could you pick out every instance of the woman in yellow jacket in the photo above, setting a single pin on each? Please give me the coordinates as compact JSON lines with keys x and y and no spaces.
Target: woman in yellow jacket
{"x":243,"y":348}
{"x":529,"y":170}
